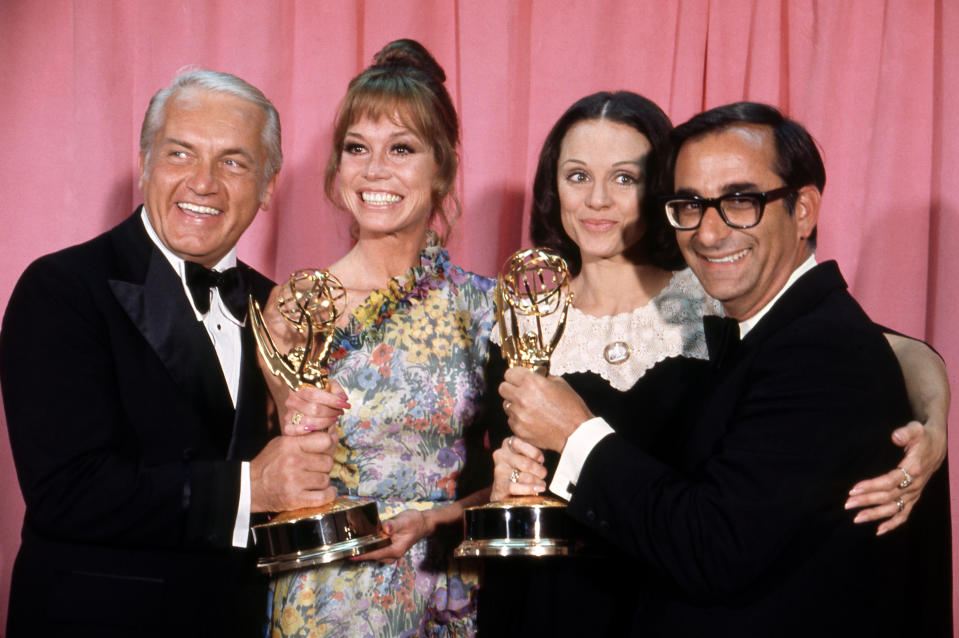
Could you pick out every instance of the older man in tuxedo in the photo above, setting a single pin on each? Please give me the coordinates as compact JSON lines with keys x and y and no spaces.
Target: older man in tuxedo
{"x":745,"y":532}
{"x":136,"y":412}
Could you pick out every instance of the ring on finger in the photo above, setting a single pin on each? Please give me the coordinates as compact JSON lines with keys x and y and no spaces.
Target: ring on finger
{"x":297,"y":417}
{"x":906,"y":481}
{"x":900,"y":504}
{"x":514,"y":476}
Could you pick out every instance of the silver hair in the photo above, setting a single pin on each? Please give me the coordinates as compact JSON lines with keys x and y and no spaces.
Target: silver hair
{"x":216,"y":82}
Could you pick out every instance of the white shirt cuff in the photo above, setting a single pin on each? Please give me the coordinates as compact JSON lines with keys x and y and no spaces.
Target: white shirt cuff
{"x":241,"y":529}
{"x":578,"y":446}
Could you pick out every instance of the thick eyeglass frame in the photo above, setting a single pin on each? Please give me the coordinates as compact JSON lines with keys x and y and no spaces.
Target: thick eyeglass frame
{"x":762,"y":198}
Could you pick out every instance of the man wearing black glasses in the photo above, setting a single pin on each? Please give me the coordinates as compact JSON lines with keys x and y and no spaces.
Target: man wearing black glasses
{"x":745,"y":533}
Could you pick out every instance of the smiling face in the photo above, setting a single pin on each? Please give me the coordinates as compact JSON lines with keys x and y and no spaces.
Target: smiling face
{"x":743,"y":268}
{"x":600,"y":182}
{"x":203,"y":181}
{"x":386,"y":176}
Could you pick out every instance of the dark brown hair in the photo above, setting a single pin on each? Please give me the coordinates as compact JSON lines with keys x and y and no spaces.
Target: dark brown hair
{"x":798,"y":161}
{"x":658,"y":243}
{"x":405,"y":82}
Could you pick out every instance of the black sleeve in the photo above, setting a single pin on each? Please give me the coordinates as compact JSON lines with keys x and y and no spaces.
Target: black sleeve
{"x":809,"y":422}
{"x":86,"y":468}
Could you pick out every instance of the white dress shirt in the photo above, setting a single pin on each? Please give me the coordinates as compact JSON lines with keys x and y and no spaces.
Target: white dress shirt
{"x":585,"y":437}
{"x":224,"y":331}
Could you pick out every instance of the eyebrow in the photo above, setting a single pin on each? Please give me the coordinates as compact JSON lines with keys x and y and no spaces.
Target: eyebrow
{"x":226,"y":152}
{"x":740,"y":187}
{"x":238,"y":151}
{"x":728,"y":189}
{"x":638,"y":163}
{"x":178,"y":142}
{"x":392,"y":136}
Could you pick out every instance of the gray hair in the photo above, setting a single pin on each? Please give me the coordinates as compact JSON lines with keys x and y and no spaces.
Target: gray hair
{"x":216,"y":82}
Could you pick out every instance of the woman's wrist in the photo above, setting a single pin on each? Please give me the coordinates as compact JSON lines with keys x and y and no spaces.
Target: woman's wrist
{"x":429,"y":522}
{"x":936,"y":428}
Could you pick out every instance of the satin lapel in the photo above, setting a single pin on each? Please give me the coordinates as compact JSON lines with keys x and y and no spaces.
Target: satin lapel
{"x":158,"y":307}
{"x":727,"y":382}
{"x":804,"y":295}
{"x":250,"y":431}
{"x":250,"y":427}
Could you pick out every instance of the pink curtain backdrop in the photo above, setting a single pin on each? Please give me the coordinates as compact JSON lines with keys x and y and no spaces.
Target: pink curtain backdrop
{"x":877,"y":82}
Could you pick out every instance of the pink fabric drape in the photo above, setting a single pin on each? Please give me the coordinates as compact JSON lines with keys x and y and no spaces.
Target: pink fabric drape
{"x":877,"y":82}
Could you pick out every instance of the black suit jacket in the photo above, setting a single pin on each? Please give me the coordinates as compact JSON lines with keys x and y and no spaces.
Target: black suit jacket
{"x":747,"y":535}
{"x":127,"y":449}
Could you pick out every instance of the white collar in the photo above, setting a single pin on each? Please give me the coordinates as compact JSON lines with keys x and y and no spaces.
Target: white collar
{"x":748,"y":324}
{"x":228,"y":261}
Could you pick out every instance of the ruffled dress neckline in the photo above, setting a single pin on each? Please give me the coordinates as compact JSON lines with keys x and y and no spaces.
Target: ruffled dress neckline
{"x":400,"y":292}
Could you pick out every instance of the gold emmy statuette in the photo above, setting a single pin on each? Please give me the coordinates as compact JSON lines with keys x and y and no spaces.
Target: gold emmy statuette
{"x":534,"y":285}
{"x":311,"y":303}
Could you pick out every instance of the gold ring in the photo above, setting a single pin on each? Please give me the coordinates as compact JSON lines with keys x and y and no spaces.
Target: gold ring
{"x":297,"y":417}
{"x":900,"y":504}
{"x":907,"y":481}
{"x":514,"y":476}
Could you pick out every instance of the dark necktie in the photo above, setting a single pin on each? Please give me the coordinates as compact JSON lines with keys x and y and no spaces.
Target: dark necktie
{"x":722,"y":338}
{"x":232,"y":284}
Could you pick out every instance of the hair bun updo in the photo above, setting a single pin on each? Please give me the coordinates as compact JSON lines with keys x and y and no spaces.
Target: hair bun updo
{"x":410,"y":53}
{"x":407,"y":83}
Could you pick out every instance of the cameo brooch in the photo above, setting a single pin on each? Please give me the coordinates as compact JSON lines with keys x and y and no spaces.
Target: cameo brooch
{"x":616,"y":352}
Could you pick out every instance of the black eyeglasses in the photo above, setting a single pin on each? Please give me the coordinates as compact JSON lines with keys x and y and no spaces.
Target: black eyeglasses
{"x":737,"y":210}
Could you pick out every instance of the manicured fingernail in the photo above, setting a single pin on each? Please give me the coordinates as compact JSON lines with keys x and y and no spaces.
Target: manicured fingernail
{"x":344,"y":404}
{"x":854,"y":491}
{"x":342,"y":395}
{"x":859,"y":518}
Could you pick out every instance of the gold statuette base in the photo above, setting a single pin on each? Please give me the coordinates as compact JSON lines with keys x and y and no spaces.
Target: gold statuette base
{"x":520,"y":526}
{"x":314,"y":536}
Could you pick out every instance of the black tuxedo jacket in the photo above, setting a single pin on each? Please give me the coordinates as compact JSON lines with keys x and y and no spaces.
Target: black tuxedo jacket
{"x":127,"y":449}
{"x":747,"y":534}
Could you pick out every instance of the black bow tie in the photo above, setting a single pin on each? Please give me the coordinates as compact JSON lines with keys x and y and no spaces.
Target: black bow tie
{"x":722,"y":338}
{"x":232,"y":283}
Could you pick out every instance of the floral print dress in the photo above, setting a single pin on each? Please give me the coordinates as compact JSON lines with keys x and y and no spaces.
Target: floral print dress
{"x":411,"y":361}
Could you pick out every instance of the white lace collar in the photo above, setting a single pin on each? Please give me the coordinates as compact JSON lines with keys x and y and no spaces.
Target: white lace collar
{"x":621,"y":348}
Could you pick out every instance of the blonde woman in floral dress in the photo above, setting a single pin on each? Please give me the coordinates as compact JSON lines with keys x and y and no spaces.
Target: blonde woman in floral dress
{"x":408,"y":358}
